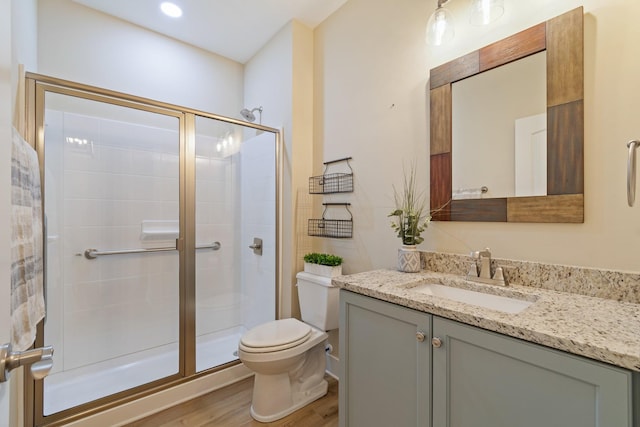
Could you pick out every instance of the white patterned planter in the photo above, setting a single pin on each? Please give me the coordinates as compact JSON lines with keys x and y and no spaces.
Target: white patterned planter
{"x":408,"y":259}
{"x":323,"y":270}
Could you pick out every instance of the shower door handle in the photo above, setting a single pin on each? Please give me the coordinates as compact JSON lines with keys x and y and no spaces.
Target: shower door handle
{"x":40,"y":360}
{"x":257,"y":246}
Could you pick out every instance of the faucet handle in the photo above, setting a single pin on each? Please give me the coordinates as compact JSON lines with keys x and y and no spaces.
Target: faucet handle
{"x":473,"y":270}
{"x":498,"y":276}
{"x":486,"y":252}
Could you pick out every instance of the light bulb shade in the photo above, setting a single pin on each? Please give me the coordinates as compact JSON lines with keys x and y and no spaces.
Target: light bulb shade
{"x":440,"y":27}
{"x":484,"y":12}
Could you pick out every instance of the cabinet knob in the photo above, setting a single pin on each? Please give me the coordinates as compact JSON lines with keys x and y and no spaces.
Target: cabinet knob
{"x":436,"y":342}
{"x":420,"y":336}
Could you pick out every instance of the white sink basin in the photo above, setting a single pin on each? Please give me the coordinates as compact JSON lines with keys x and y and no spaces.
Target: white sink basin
{"x":494,"y":302}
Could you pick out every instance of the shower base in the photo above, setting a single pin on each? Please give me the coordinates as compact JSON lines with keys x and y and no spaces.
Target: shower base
{"x":67,"y":389}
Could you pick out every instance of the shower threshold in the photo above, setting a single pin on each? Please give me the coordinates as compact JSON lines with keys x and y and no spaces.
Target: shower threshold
{"x":67,"y":389}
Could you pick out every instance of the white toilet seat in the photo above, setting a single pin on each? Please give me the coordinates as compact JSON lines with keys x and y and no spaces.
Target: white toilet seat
{"x":275,"y":336}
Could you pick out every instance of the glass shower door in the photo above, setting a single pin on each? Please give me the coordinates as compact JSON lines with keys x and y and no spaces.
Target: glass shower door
{"x":235,"y":208}
{"x":111,"y":183}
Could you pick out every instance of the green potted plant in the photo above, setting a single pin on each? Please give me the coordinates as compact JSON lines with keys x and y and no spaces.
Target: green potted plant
{"x":326,"y":265}
{"x":410,"y":219}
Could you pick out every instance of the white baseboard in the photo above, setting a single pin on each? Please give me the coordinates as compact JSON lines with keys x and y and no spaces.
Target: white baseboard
{"x":333,"y":366}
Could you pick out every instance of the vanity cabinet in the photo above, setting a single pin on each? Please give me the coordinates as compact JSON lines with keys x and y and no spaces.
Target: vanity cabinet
{"x":484,"y":379}
{"x":384,"y":364}
{"x":464,"y":376}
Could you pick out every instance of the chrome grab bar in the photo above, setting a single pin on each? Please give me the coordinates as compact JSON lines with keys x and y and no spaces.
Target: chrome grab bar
{"x":94,"y":253}
{"x":214,"y":246}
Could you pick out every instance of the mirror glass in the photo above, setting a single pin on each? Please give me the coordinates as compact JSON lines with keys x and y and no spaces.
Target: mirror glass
{"x":499,"y":131}
{"x":531,"y":167}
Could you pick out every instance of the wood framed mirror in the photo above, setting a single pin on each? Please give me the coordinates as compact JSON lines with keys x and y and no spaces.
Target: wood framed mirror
{"x":562,"y":40}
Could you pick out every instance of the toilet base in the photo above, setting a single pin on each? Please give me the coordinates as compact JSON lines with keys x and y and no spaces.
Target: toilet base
{"x":288,"y":379}
{"x":300,"y":399}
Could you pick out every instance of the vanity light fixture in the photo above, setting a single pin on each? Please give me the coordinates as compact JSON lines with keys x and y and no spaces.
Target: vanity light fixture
{"x":484,"y":12}
{"x":171,"y":9}
{"x":440,"y":25}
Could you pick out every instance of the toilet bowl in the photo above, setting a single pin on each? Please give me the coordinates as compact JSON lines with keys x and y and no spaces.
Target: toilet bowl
{"x":288,"y":356}
{"x":288,"y":374}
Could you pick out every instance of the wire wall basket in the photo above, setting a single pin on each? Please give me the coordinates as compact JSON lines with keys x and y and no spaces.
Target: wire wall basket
{"x":328,"y":183}
{"x":335,"y":228}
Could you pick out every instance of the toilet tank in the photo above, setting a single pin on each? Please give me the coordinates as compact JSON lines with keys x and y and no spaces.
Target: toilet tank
{"x":318,"y":301}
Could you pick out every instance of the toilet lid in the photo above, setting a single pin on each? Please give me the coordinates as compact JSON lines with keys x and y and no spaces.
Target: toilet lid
{"x":276,"y":335}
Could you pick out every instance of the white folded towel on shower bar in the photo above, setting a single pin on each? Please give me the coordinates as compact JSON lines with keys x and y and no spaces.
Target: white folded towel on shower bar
{"x":27,"y":295}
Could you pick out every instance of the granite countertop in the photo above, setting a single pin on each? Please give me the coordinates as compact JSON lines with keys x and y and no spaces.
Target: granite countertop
{"x":597,"y":328}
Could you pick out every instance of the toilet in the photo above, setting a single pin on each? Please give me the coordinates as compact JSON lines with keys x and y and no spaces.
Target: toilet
{"x":288,"y":356}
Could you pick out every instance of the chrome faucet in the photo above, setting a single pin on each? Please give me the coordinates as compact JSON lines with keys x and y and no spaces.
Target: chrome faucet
{"x":482,"y":273}
{"x":485,"y":262}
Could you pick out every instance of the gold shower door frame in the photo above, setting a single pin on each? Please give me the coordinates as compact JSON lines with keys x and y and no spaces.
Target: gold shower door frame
{"x":36,"y":88}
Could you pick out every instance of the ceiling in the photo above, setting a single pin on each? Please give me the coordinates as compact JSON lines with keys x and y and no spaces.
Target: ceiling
{"x":236,"y":29}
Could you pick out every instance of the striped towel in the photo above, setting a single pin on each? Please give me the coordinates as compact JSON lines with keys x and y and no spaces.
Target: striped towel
{"x":27,"y":296}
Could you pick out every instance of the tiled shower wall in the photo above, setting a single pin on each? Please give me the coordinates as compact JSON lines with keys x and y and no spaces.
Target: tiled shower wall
{"x":218,"y":299}
{"x":258,"y":218}
{"x":97,"y":195}
{"x":234,"y":285}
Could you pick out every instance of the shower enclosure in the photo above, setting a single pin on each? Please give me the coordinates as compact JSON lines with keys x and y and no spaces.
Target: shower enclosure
{"x":162,"y":242}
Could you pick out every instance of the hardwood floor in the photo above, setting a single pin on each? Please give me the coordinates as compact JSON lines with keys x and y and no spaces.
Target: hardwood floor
{"x":229,"y":407}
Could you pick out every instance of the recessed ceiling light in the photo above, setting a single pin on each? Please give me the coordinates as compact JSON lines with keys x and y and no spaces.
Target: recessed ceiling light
{"x":171,"y":9}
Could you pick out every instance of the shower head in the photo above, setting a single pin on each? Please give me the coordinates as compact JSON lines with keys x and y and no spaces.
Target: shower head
{"x":248,"y":114}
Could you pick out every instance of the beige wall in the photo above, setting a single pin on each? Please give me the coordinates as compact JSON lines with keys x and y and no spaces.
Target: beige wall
{"x":86,"y":46}
{"x":6,"y":104}
{"x":17,"y":46}
{"x":279,"y":77}
{"x":372,"y":104}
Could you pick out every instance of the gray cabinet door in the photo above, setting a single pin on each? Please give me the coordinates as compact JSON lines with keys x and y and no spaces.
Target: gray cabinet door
{"x":483,"y":379}
{"x":385,"y":365}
